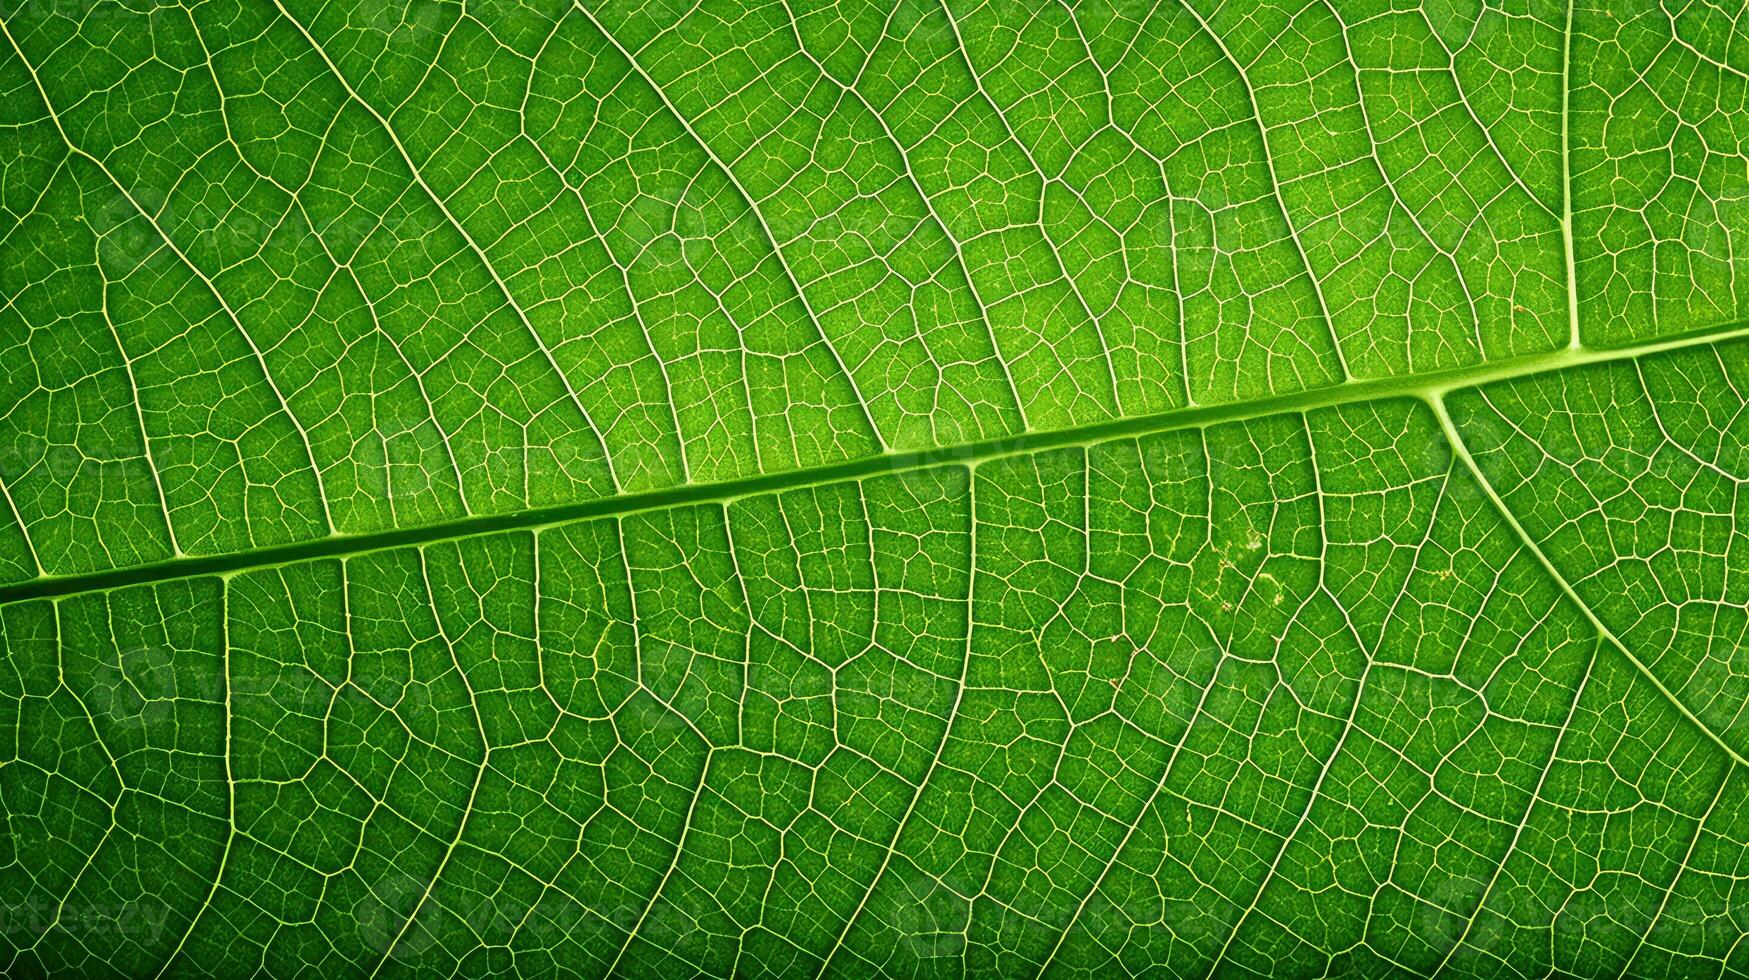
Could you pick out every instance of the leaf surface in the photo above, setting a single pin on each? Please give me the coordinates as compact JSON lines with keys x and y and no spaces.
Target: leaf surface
{"x":799,"y":489}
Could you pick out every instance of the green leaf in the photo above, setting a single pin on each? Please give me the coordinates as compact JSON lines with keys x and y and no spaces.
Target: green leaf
{"x":923,"y":489}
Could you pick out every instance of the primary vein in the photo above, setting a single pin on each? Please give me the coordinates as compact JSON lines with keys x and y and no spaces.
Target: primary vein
{"x":1430,"y":385}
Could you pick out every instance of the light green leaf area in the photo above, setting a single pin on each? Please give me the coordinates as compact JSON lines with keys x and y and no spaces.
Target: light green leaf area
{"x":1082,"y":488}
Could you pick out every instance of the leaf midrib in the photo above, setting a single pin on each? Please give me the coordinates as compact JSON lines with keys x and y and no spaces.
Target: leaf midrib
{"x":1427,"y":385}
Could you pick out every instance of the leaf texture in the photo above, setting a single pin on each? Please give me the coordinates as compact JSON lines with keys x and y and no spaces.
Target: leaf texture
{"x":925,"y":489}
